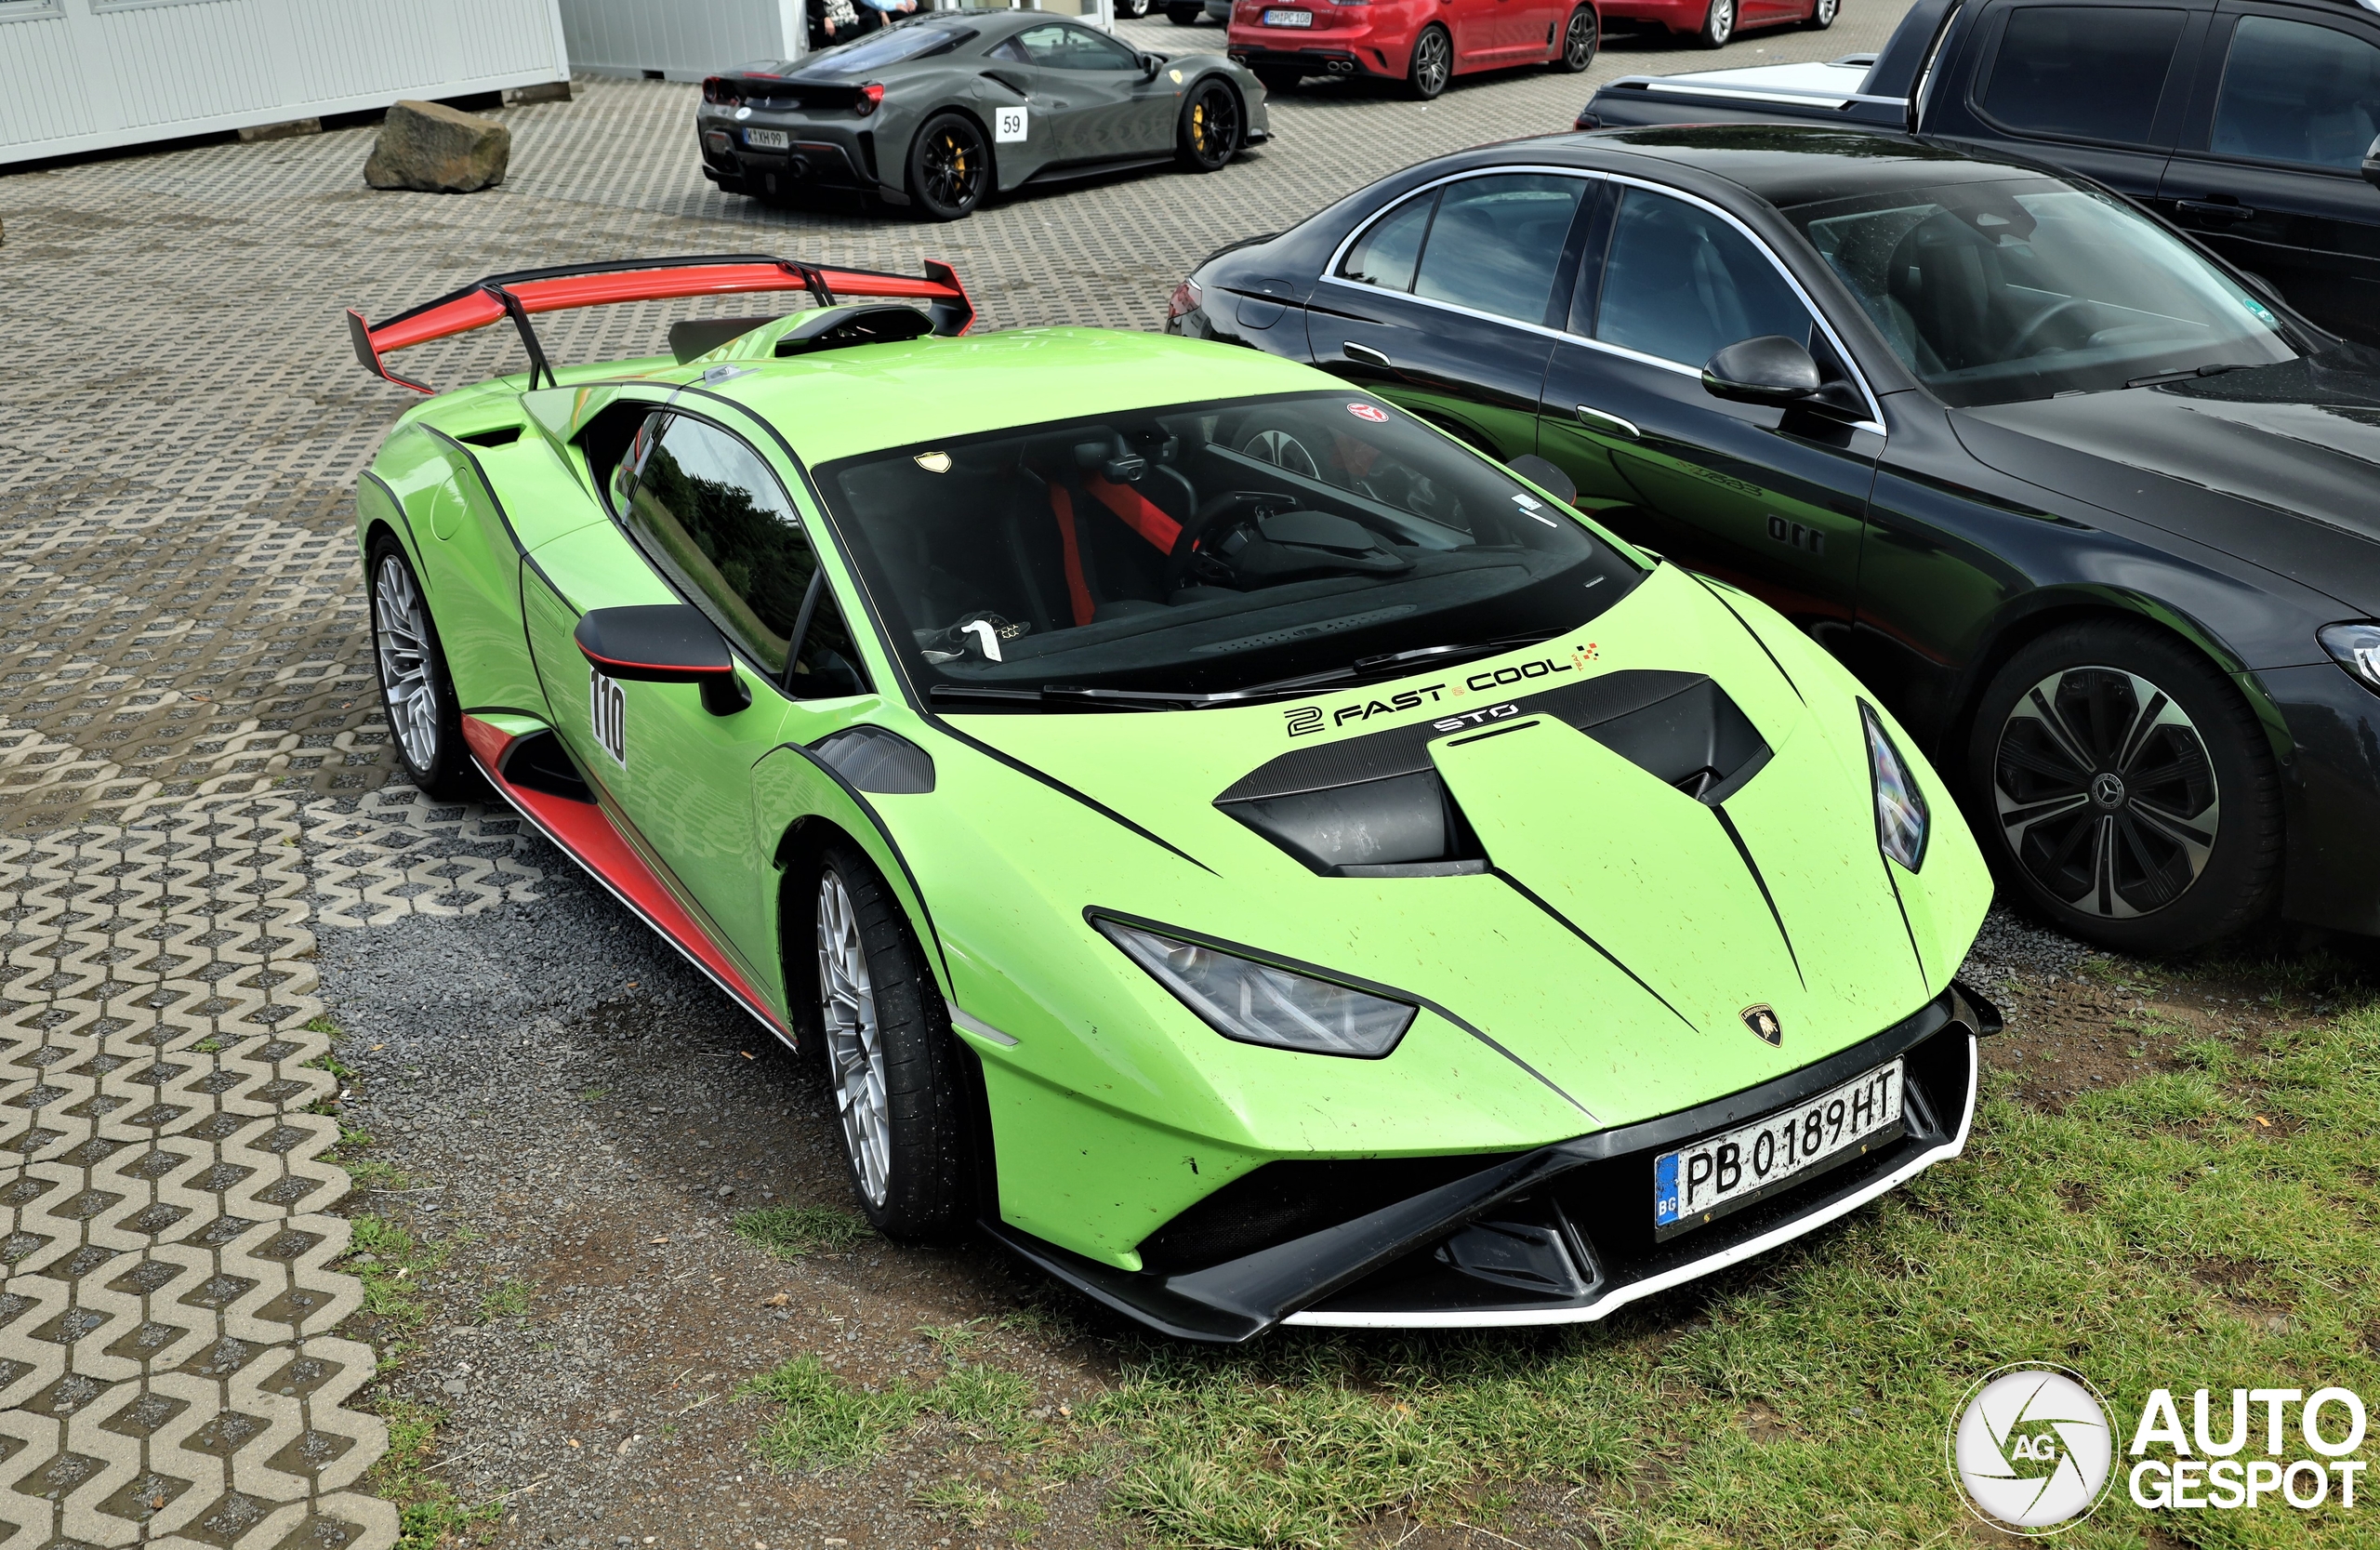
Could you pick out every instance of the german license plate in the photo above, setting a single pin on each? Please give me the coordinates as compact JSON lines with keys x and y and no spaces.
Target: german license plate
{"x":1289,"y":19}
{"x":1697,"y":1185}
{"x":768,"y":139}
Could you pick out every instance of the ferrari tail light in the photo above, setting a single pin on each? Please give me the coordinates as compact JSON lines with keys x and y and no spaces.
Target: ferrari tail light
{"x":1185,"y":299}
{"x":717,"y":89}
{"x":871,"y":96}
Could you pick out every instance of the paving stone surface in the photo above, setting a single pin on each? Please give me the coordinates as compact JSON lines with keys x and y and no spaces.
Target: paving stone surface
{"x":194,"y":776}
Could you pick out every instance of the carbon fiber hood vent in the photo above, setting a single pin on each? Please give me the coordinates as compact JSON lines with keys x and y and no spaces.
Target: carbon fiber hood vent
{"x":1374,"y":806}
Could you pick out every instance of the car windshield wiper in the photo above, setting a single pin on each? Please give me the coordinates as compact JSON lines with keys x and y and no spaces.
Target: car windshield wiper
{"x":2186,"y":374}
{"x":1395,"y":664}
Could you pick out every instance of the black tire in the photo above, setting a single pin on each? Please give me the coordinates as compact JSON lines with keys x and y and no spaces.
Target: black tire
{"x":914,"y":1191}
{"x":1433,"y":64}
{"x":1581,"y":35}
{"x":1206,"y":135}
{"x":1718,"y":25}
{"x":1822,"y":16}
{"x":425,"y":719}
{"x":1184,"y":16}
{"x":2101,"y":755}
{"x":950,"y":168}
{"x":1278,"y":79}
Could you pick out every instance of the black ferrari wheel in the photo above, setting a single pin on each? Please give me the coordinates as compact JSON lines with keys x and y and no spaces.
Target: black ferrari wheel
{"x":1823,"y":15}
{"x":2125,"y":787}
{"x":950,"y":168}
{"x":1718,"y":25}
{"x":1580,"y":37}
{"x":416,"y":694}
{"x":890,"y":1063}
{"x":1433,"y":65}
{"x":1184,"y":16}
{"x":1208,"y":135}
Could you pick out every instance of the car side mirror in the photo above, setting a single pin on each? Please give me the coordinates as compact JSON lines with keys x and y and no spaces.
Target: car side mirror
{"x":1150,"y":65}
{"x":662,"y":643}
{"x":2372,"y":164}
{"x":1771,"y":369}
{"x":1546,"y":477}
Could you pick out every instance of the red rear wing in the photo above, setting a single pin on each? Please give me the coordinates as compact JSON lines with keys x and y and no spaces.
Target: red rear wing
{"x":553,"y":290}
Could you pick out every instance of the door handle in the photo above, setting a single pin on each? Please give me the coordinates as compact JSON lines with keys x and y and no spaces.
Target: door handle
{"x":2214,"y":211}
{"x":1597,"y":419}
{"x":1365,"y":353}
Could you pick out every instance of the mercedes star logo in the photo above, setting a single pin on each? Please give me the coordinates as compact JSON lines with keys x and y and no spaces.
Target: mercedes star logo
{"x":1762,"y":1019}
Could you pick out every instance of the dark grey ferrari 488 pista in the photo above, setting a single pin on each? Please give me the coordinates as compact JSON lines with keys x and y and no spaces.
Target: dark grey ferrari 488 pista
{"x":944,"y":108}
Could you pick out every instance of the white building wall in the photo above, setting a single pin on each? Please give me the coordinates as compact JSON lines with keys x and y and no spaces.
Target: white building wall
{"x":87,"y":74}
{"x":686,"y":40}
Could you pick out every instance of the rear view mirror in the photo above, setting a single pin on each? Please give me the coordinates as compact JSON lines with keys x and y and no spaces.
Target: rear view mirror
{"x":1150,"y":65}
{"x":662,"y":643}
{"x":2372,"y":164}
{"x":1771,"y":369}
{"x":1546,"y":477}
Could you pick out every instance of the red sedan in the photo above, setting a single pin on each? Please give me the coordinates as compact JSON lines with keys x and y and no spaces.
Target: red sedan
{"x":1713,"y":22}
{"x":1423,"y":43}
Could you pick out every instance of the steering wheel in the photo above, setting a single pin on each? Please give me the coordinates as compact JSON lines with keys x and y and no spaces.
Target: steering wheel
{"x":1230,"y":504}
{"x":2023,"y":344}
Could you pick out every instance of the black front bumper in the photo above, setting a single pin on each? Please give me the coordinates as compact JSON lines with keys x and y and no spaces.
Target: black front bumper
{"x":1563,"y":1234}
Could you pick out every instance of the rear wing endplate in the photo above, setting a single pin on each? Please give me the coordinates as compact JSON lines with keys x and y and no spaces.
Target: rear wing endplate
{"x":518,"y":295}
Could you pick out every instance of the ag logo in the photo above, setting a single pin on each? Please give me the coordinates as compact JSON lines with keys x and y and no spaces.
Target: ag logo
{"x":2031,"y":1447}
{"x":1761,"y":1018}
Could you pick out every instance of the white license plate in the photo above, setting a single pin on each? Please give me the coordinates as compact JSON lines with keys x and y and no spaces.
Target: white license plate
{"x":1289,"y":19}
{"x":1696,"y":1184}
{"x":768,"y":139}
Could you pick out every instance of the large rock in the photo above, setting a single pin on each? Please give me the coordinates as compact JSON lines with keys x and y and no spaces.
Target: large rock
{"x":438,"y":150}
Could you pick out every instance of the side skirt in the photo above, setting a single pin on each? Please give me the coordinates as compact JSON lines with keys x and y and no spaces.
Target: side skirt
{"x":581,"y":831}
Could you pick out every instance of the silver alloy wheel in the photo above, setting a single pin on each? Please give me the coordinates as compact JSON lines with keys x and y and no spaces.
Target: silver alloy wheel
{"x":1579,"y":39}
{"x":1722,"y":23}
{"x":2105,"y":792}
{"x":1823,"y":12}
{"x":408,"y":690}
{"x":1432,"y":61}
{"x":854,"y":1049}
{"x":1283,"y":451}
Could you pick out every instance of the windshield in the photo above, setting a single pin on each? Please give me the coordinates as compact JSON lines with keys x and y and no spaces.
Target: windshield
{"x":889,"y":46}
{"x":1996,"y":292}
{"x":1210,"y":547}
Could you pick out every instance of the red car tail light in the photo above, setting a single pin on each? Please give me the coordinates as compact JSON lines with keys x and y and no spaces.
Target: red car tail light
{"x":871,"y":96}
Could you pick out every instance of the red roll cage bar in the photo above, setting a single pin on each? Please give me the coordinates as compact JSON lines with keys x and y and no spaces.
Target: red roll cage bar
{"x":517,"y":295}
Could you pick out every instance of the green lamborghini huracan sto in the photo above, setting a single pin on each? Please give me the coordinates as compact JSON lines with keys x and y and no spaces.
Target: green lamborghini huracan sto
{"x":1254,"y":856}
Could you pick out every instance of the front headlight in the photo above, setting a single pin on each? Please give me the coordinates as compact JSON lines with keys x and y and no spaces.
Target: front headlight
{"x":1900,"y":811}
{"x":2355,"y":648}
{"x":1258,"y":1003}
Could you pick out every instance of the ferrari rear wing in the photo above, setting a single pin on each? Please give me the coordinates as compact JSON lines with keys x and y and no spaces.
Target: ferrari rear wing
{"x":517,"y":295}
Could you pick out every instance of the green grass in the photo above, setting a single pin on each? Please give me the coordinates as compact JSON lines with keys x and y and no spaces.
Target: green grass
{"x":392,"y":1262}
{"x":790,"y":1232}
{"x":2153,"y":1235}
{"x":823,"y":1420}
{"x":430,"y":1515}
{"x":507,"y":1299}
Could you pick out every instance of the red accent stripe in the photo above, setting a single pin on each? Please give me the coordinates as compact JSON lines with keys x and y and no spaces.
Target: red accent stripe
{"x":587,"y":836}
{"x":1142,"y":515}
{"x":654,"y":666}
{"x":1077,"y":590}
{"x":489,"y":743}
{"x":478,"y":309}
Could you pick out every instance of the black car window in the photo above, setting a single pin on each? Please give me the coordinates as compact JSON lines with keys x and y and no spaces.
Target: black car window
{"x":1681,"y":284}
{"x":1994,"y":293}
{"x":1062,"y":46}
{"x":888,"y":48}
{"x":2295,"y":92}
{"x":1207,"y":547}
{"x":2090,"y":71}
{"x":708,"y":513}
{"x":1497,"y":240}
{"x":1384,"y":254}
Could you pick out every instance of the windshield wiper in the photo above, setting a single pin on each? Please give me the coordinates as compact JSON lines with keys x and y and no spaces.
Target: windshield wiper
{"x":2186,"y":373}
{"x":1395,"y":664}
